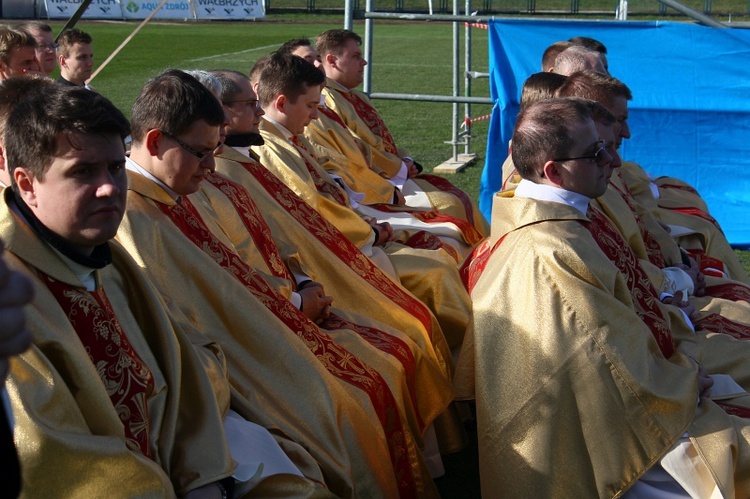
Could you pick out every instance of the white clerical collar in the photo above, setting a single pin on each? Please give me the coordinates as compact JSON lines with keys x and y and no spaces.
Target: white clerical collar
{"x":544,"y":192}
{"x":135,"y":167}
{"x":245,"y":151}
{"x":286,"y":133}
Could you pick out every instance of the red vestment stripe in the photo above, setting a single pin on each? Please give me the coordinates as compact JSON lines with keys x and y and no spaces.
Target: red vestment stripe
{"x":732,"y":291}
{"x":336,"y":242}
{"x":653,"y":250}
{"x":372,"y":119}
{"x":715,"y":323}
{"x":332,"y":115}
{"x":445,"y":186}
{"x":473,"y":267}
{"x":320,"y":184}
{"x":685,"y":188}
{"x":126,"y":378}
{"x":337,"y":360}
{"x":642,"y":292}
{"x":687,"y":210}
{"x":261,"y":233}
{"x":734,"y":410}
{"x":427,"y":241}
{"x":470,"y":234}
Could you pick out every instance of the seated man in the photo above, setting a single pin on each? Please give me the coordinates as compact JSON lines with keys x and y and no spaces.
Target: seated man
{"x":289,"y":93}
{"x":344,"y":67}
{"x":17,"y":53}
{"x":76,"y":57}
{"x":580,"y":390}
{"x":110,"y":396}
{"x":357,"y":425}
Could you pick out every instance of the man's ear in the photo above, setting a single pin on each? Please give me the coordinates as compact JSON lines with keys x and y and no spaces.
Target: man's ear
{"x":151,"y":141}
{"x":551,"y":171}
{"x":24,"y":180}
{"x":279,"y":102}
{"x":330,"y":60}
{"x":61,"y":61}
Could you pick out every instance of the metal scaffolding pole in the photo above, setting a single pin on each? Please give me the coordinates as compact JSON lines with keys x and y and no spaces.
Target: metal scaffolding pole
{"x":349,"y":14}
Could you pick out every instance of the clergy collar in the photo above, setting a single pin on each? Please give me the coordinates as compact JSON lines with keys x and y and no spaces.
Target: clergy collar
{"x":135,"y":167}
{"x":544,"y":192}
{"x":244,"y":140}
{"x":99,"y":258}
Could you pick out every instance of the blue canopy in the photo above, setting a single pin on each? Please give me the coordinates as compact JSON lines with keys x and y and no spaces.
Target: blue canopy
{"x":690,"y":113}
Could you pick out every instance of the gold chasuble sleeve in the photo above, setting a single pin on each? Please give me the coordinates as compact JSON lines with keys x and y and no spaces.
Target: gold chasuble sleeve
{"x":69,"y":436}
{"x":388,"y":162}
{"x":345,"y":158}
{"x":277,"y":381}
{"x":349,"y":276}
{"x":574,"y":396}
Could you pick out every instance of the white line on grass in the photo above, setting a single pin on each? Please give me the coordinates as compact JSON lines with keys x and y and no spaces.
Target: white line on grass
{"x":233,"y":53}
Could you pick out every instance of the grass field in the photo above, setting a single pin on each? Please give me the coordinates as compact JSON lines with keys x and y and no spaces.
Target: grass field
{"x":407,"y":58}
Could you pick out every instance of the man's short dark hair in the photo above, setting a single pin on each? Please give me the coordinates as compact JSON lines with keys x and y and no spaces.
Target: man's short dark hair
{"x":540,"y":86}
{"x":16,"y":88}
{"x":333,"y":40}
{"x":34,"y":126}
{"x":172,"y":102}
{"x":288,"y":75}
{"x":228,"y":79}
{"x":293,"y":44}
{"x":551,"y":52}
{"x":35,"y":25}
{"x":589,"y":43}
{"x":543,"y":132}
{"x":12,"y":39}
{"x":257,"y":69}
{"x":590,"y":85}
{"x":70,"y":37}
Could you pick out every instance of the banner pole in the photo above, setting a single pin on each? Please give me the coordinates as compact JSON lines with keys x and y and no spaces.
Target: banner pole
{"x":75,"y":17}
{"x":126,"y":41}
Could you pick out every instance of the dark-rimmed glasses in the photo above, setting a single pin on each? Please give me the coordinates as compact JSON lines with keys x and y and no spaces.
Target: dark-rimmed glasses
{"x":248,"y":102}
{"x":597,"y":156}
{"x":200,"y":155}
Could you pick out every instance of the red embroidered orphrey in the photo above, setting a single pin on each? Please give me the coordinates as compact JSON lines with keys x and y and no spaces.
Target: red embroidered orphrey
{"x":372,"y":119}
{"x":330,"y":113}
{"x":126,"y":378}
{"x":653,"y":249}
{"x":337,"y":360}
{"x":259,"y":230}
{"x":645,"y":299}
{"x":320,"y":184}
{"x":337,"y":243}
{"x":470,"y":234}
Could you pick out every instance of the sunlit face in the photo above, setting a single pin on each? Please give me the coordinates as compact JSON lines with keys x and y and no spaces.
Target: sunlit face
{"x":310,"y":55}
{"x":21,"y":60}
{"x":242,"y":110}
{"x":586,"y":176}
{"x":349,"y":66}
{"x":619,"y":108}
{"x":46,"y":53}
{"x":82,"y":195}
{"x":178,"y":167}
{"x":299,"y":114}
{"x":79,"y":64}
{"x":608,"y":134}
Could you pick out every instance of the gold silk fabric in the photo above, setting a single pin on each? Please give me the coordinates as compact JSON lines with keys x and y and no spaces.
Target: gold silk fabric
{"x":276,"y":380}
{"x":431,"y":275}
{"x":679,"y":207}
{"x":346,"y":157}
{"x":349,"y":276}
{"x":574,"y":397}
{"x":69,"y":436}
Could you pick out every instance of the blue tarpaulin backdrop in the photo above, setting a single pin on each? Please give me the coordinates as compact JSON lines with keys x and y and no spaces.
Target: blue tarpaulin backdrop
{"x":690,"y":113}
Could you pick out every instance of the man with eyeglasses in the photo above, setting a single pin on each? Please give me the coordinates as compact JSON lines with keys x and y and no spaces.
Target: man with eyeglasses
{"x":46,"y":47}
{"x":17,"y":53}
{"x":580,"y":389}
